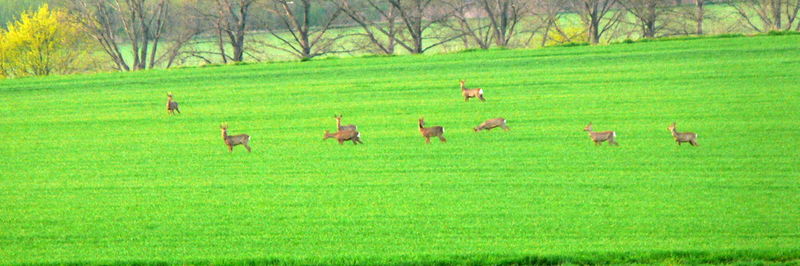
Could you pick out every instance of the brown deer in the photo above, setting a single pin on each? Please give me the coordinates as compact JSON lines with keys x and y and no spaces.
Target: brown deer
{"x":492,"y":123}
{"x":428,"y":132}
{"x":230,"y":141}
{"x":471,"y":93}
{"x":342,"y":128}
{"x":690,"y":137}
{"x":172,"y":106}
{"x":344,"y":135}
{"x":599,"y":137}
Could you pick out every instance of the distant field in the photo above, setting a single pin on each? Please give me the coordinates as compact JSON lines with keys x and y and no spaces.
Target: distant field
{"x":94,"y":171}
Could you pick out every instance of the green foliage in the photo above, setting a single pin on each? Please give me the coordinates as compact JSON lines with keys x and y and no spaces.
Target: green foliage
{"x":94,"y":170}
{"x":42,"y":43}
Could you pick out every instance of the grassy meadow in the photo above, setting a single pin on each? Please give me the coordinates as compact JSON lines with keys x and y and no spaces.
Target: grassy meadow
{"x":95,"y":171}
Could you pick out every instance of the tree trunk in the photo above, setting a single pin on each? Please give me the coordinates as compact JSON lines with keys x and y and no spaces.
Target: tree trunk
{"x":594,"y":32}
{"x":777,"y":6}
{"x":221,"y":45}
{"x":241,"y":23}
{"x":700,"y":15}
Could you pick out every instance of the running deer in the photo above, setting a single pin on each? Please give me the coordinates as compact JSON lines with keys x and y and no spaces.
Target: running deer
{"x":172,"y":106}
{"x":471,"y":93}
{"x":344,"y":135}
{"x":599,"y":137}
{"x":342,"y":128}
{"x":428,"y":132}
{"x":230,"y":141}
{"x":492,"y":123}
{"x":690,"y":137}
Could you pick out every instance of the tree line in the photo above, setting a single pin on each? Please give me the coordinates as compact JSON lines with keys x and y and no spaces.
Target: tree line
{"x":67,"y":36}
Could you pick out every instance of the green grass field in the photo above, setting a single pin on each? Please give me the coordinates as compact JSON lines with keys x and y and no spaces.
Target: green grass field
{"x":94,"y":171}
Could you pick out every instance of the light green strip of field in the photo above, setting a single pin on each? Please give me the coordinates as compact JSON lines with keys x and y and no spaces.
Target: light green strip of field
{"x":93,"y":170}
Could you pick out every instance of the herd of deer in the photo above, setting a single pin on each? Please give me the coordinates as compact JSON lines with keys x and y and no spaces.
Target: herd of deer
{"x":350,"y":132}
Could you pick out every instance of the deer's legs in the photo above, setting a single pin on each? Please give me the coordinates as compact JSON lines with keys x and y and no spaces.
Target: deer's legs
{"x":427,"y":139}
{"x":247,"y":147}
{"x":340,"y":141}
{"x":694,"y":143}
{"x":442,"y":139}
{"x":230,"y":148}
{"x":481,"y":97}
{"x":466,"y":98}
{"x":506,"y":128}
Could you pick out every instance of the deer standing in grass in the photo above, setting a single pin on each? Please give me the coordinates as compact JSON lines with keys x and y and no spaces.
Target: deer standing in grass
{"x":428,"y":132}
{"x":230,"y":141}
{"x":344,"y":135}
{"x":342,"y":128}
{"x":599,"y":137}
{"x":690,"y":137}
{"x":471,"y":93}
{"x":492,"y":123}
{"x":172,"y":106}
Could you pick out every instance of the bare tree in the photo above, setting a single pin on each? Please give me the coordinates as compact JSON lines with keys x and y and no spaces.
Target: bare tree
{"x":468,"y":20}
{"x":382,"y":32}
{"x":647,"y":14}
{"x":504,"y":16}
{"x":301,"y":38}
{"x":766,"y":15}
{"x":142,"y":23}
{"x":232,"y":22}
{"x":547,"y":14}
{"x":228,"y":21}
{"x":418,"y":16}
{"x":597,"y":16}
{"x":181,"y":40}
{"x":699,"y":15}
{"x":485,"y":21}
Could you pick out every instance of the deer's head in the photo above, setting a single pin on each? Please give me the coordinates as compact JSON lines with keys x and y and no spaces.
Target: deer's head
{"x":588,"y":127}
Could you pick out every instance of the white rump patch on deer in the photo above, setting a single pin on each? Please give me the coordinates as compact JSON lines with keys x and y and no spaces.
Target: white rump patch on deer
{"x":480,"y":91}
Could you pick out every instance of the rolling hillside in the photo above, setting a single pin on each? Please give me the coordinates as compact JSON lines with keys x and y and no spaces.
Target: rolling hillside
{"x":95,"y":171}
